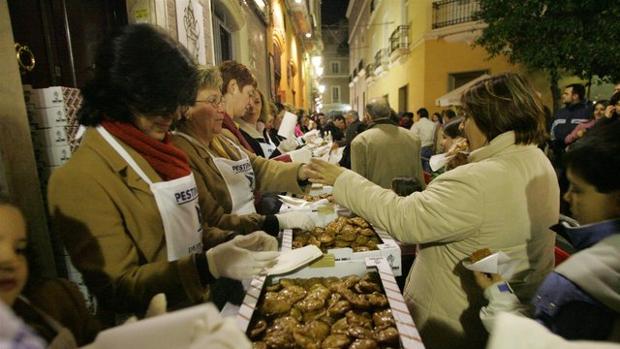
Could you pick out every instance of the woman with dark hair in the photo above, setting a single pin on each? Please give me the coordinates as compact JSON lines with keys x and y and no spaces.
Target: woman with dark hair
{"x":505,"y":198}
{"x":126,"y":204}
{"x":581,"y":298}
{"x":613,"y":109}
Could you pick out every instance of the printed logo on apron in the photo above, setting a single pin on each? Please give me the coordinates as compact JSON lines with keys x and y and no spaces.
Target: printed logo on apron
{"x":238,"y":176}
{"x":177,"y":201}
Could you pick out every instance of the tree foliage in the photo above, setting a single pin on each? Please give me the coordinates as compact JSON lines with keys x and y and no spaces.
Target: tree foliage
{"x":579,"y":37}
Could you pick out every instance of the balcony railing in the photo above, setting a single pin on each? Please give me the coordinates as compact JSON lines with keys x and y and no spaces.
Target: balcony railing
{"x":451,"y":12}
{"x":379,"y":58}
{"x":360,"y":65}
{"x":370,"y":70}
{"x":399,"y":38}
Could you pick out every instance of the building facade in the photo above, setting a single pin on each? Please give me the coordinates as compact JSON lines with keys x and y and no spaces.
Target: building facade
{"x":293,"y":39}
{"x":417,"y":53}
{"x":335,"y":80}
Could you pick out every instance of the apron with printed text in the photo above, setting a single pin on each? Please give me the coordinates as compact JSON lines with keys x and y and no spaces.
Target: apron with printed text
{"x":177,"y":201}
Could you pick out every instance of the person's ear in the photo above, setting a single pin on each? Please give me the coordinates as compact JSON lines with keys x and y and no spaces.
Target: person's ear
{"x":232,"y":86}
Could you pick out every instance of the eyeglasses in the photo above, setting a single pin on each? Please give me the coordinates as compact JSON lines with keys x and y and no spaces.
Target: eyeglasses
{"x":215,"y":101}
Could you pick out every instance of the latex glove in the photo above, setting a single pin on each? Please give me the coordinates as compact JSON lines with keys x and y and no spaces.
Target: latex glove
{"x":235,"y":259}
{"x":214,"y":332}
{"x":287,"y":145}
{"x":157,"y":306}
{"x":257,"y":241}
{"x":295,"y":219}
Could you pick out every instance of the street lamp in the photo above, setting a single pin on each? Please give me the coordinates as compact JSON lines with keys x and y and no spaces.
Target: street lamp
{"x":321,"y":88}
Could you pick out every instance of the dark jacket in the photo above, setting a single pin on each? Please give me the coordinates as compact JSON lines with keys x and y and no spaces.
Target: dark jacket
{"x":353,"y":130}
{"x":567,"y":119}
{"x":337,"y":134}
{"x":577,"y":300}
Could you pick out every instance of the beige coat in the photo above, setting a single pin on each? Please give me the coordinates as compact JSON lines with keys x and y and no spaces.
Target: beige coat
{"x":504,"y":199}
{"x":215,"y":201}
{"x":386,"y":151}
{"x":109,"y":222}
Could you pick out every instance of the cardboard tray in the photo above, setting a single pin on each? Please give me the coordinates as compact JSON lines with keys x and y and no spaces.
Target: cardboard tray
{"x":388,"y":249}
{"x":409,"y":335}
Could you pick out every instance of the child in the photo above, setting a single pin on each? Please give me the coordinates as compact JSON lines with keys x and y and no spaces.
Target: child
{"x":581,"y":298}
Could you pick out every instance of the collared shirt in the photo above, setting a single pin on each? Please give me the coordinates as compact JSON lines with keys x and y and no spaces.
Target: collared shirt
{"x":425,"y":129}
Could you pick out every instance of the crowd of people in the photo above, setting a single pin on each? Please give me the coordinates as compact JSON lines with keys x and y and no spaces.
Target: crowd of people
{"x":173,"y":191}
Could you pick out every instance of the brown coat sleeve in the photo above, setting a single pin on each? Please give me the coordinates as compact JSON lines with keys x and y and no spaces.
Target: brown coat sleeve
{"x":275,"y":176}
{"x":115,"y":240}
{"x":214,"y":208}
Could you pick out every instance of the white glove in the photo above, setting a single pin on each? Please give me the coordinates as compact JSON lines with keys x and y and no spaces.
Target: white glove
{"x":287,"y":145}
{"x":295,"y":219}
{"x":239,"y":258}
{"x":214,"y":332}
{"x":158,"y":305}
{"x":257,"y":241}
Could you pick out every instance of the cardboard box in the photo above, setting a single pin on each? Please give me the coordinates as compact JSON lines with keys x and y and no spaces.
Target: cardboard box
{"x":388,"y":249}
{"x":409,"y":335}
{"x":47,"y":97}
{"x":47,"y":117}
{"x":53,"y":156}
{"x":50,"y":137}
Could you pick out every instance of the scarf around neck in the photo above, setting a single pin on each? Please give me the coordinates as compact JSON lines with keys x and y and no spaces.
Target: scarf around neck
{"x":166,"y":159}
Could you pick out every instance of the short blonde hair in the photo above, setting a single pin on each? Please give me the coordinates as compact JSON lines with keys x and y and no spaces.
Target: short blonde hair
{"x":209,"y":77}
{"x":503,"y":103}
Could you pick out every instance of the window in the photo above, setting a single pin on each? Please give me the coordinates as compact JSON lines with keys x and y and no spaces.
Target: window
{"x":223,"y":41}
{"x":459,"y":79}
{"x":335,"y":67}
{"x":402,"y":98}
{"x":335,"y":94}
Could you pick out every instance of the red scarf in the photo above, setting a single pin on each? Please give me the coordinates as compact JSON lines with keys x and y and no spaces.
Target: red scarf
{"x":167,"y":160}
{"x":229,"y":124}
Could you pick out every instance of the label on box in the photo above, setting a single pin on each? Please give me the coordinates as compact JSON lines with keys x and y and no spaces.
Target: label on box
{"x":54,"y":156}
{"x":48,"y":117}
{"x":50,"y":137}
{"x":47,"y":97}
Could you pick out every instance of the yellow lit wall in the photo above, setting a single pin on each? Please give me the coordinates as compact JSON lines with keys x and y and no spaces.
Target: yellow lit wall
{"x":282,"y":32}
{"x":430,"y":61}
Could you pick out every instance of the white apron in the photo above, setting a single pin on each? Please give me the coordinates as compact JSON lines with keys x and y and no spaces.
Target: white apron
{"x":177,"y":201}
{"x":268,"y":146}
{"x":238,"y":176}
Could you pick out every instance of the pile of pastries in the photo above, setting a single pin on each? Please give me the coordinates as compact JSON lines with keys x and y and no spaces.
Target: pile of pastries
{"x":349,"y":312}
{"x":355,"y":233}
{"x":313,"y":198}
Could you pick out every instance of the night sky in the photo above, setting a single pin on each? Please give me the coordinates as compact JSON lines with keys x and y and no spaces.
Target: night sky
{"x":333,"y":10}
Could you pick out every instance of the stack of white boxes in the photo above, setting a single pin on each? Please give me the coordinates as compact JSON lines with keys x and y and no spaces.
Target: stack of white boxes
{"x":51,"y":112}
